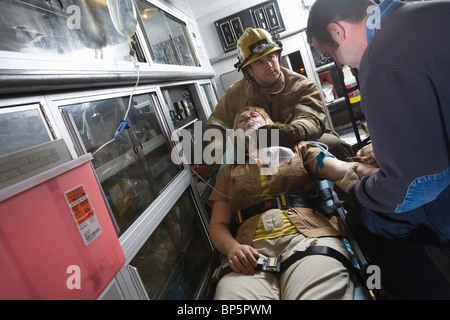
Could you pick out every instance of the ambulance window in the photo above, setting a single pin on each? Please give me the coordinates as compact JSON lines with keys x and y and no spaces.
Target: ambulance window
{"x":63,"y":31}
{"x":21,"y":128}
{"x":167,"y":36}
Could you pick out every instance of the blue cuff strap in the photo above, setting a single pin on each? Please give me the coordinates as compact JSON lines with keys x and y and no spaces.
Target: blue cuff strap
{"x":319,"y":164}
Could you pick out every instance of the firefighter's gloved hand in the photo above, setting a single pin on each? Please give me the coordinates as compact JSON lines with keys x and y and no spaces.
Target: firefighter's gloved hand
{"x":350,"y":178}
{"x":288,"y":135}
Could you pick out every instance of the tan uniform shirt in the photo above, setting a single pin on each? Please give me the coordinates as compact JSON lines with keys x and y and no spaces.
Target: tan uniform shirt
{"x":294,"y":99}
{"x":240,"y":186}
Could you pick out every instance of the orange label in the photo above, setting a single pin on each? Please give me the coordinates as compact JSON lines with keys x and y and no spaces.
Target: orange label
{"x":82,"y":211}
{"x":75,"y":194}
{"x":83,"y":214}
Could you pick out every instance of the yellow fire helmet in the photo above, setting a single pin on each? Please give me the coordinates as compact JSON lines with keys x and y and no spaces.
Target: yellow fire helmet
{"x":255,"y":43}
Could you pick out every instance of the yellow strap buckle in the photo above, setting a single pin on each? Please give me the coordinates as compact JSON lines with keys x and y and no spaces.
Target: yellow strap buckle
{"x":239,"y":215}
{"x":282,"y":201}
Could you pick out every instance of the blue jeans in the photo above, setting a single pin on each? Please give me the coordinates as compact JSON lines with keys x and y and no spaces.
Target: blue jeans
{"x":399,"y":244}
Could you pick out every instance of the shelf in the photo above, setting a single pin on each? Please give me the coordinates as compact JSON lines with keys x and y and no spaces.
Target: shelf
{"x":335,"y":102}
{"x":187,"y":124}
{"x":347,"y":134}
{"x":325,"y":67}
{"x":112,"y":167}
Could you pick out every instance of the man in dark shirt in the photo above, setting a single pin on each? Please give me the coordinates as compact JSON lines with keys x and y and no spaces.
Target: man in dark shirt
{"x":402,"y":55}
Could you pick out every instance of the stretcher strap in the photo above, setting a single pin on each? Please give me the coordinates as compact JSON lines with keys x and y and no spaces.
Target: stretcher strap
{"x":326,"y":251}
{"x":315,"y":250}
{"x":302,"y":200}
{"x":280,"y":202}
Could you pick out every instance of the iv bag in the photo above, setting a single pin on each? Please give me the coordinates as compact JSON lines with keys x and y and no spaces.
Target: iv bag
{"x":123,"y":16}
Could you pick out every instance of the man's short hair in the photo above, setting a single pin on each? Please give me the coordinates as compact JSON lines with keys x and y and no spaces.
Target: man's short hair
{"x":324,"y":12}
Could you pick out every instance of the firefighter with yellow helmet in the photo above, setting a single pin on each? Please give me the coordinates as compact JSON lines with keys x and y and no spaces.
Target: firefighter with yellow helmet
{"x":291,"y":100}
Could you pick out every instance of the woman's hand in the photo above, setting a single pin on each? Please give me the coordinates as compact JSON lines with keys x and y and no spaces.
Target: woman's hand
{"x":243,"y":259}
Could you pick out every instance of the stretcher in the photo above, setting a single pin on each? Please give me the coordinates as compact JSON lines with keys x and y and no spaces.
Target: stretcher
{"x":357,"y":263}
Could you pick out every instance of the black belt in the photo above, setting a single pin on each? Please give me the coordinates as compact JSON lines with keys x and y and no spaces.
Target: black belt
{"x":272,"y":264}
{"x":315,"y":201}
{"x":281,"y":201}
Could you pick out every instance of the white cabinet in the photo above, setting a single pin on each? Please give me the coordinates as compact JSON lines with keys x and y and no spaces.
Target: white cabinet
{"x":81,"y":86}
{"x":154,"y":202}
{"x":53,"y":45}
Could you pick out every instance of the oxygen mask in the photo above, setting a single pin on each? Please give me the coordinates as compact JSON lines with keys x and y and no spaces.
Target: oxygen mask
{"x":252,"y":125}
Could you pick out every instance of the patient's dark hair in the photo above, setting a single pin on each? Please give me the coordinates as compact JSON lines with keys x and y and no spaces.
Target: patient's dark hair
{"x":324,"y":12}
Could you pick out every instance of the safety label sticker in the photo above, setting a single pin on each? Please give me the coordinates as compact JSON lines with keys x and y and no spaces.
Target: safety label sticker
{"x":84,"y":215}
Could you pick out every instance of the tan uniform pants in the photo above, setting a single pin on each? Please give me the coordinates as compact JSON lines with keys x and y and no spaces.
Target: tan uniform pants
{"x":313,"y":277}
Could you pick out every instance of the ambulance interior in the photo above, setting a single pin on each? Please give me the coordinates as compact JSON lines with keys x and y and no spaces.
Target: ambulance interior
{"x":94,"y":96}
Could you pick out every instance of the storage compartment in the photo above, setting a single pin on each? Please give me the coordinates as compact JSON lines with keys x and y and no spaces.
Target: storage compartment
{"x":134,"y":167}
{"x":172,"y":263}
